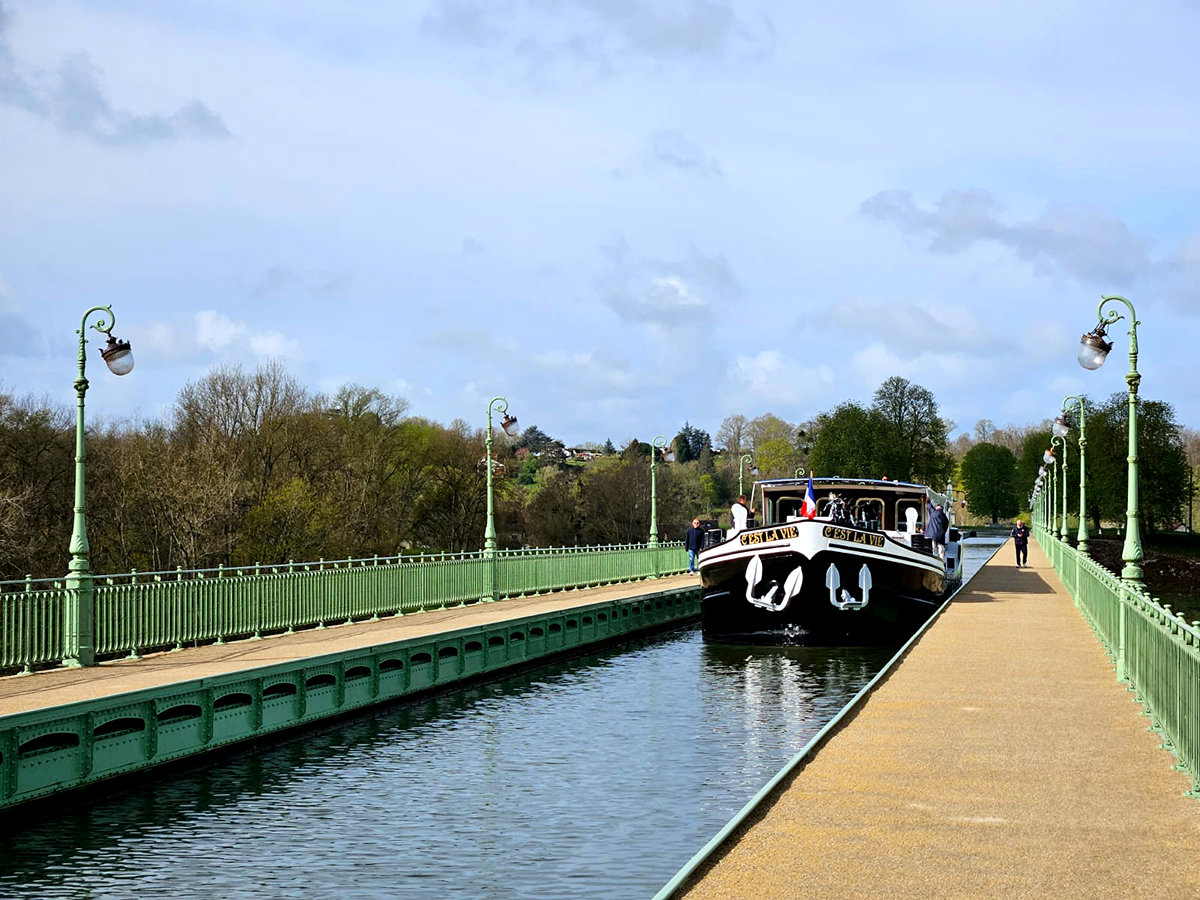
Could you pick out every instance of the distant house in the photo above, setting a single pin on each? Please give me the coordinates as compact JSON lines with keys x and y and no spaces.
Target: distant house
{"x":580,"y":453}
{"x":497,"y":466}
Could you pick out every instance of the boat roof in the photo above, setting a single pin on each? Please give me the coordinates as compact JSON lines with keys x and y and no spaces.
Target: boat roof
{"x":874,"y":483}
{"x":866,"y":482}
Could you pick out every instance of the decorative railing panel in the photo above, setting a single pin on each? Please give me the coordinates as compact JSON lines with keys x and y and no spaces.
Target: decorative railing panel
{"x":1156,"y":651}
{"x":31,"y":622}
{"x":141,"y":611}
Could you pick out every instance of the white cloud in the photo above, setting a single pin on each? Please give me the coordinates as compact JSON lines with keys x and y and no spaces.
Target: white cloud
{"x":664,"y":293}
{"x":159,"y":337}
{"x":931,"y":368}
{"x":910,"y":326}
{"x":275,"y":345}
{"x":772,"y":378}
{"x":217,"y":331}
{"x":222,"y":335}
{"x":1091,"y":244}
{"x":590,"y":369}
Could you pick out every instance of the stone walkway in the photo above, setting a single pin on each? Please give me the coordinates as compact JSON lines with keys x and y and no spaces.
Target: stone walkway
{"x":21,"y":693}
{"x":1001,"y":759}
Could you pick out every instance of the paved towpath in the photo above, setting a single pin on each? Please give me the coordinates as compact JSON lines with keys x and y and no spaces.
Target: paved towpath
{"x":20,"y":693}
{"x":1001,"y":759}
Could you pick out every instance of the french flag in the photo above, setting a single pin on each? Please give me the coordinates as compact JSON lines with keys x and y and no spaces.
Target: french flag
{"x":809,"y":510}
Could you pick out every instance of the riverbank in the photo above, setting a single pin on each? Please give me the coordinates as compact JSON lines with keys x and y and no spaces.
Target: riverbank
{"x":1171,"y":567}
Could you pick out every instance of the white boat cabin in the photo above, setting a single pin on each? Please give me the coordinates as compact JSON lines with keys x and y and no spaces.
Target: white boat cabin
{"x":895,"y":508}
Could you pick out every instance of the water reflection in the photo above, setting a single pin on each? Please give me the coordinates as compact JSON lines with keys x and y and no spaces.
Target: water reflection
{"x":596,"y":777}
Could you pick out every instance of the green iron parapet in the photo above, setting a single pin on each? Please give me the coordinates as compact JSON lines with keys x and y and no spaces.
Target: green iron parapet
{"x":136,"y":612}
{"x":1154,"y":649}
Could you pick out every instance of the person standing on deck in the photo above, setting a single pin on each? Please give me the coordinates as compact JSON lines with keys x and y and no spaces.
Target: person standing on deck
{"x":1020,"y":536}
{"x":694,"y":543}
{"x":739,"y":513}
{"x":936,"y":526}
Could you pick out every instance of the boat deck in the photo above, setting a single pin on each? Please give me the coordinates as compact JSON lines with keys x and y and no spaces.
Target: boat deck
{"x":1002,"y":758}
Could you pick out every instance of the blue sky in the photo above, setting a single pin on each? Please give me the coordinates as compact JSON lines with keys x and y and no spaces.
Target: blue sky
{"x":619,"y":213}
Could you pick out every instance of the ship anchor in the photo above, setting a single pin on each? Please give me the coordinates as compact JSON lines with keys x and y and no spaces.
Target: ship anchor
{"x":775,"y":599}
{"x":842,"y":598}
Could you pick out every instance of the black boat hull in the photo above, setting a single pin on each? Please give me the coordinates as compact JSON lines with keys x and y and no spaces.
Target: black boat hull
{"x":902,"y":597}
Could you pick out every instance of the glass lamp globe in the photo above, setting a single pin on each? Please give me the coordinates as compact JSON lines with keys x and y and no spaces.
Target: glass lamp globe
{"x":1060,"y":427}
{"x":117,"y":356}
{"x":509,"y":424}
{"x":1093,"y":349}
{"x":1048,"y":457}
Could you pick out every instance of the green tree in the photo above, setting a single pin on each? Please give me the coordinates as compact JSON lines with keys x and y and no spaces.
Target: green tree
{"x":534,"y":440}
{"x":1033,"y":446}
{"x":914,"y":448}
{"x":731,"y":436}
{"x":690,"y":443}
{"x":552,"y":517}
{"x":848,"y":443}
{"x":989,"y":475}
{"x":776,"y":458}
{"x":1162,"y":463}
{"x":769,"y":427}
{"x":289,"y":523}
{"x":614,"y":502}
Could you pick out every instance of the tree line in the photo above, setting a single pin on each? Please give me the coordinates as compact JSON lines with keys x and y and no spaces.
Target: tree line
{"x":998,"y":479}
{"x":250,"y":466}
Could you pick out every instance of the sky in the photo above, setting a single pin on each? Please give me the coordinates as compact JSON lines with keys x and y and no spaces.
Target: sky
{"x":618,"y":214}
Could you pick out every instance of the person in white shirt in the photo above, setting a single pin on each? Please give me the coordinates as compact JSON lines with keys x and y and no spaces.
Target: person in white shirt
{"x":738,"y":514}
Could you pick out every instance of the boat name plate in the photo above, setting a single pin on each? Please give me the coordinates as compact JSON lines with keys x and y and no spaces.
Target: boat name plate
{"x":771,"y":534}
{"x":854,"y":537}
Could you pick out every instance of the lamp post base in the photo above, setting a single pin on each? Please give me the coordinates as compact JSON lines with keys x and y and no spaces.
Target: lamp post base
{"x":1132,"y":573}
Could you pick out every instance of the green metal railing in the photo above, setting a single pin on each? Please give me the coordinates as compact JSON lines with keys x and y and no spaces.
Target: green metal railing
{"x":1155,"y":651}
{"x":140,"y":611}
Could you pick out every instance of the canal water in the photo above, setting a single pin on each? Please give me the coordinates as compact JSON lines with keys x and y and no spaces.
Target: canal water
{"x":595,"y":777}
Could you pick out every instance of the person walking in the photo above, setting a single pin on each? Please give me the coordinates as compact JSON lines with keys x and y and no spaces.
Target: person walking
{"x":694,"y":542}
{"x":1020,"y":536}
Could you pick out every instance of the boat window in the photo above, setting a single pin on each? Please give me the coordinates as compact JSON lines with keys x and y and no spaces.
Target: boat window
{"x":868,"y":513}
{"x":787,"y":509}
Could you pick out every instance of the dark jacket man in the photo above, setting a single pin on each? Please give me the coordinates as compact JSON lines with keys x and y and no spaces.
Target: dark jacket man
{"x":694,"y":540}
{"x":937,"y":525}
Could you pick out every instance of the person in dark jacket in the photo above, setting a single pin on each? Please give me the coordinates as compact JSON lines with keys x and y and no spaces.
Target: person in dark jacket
{"x":694,"y":542}
{"x":937,"y":524}
{"x":1020,"y":536}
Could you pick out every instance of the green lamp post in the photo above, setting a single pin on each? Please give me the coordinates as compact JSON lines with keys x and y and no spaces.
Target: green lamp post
{"x":1038,"y":496}
{"x":1056,"y":475}
{"x":1056,"y":441}
{"x":1052,"y":483}
{"x":78,"y":618}
{"x":509,"y":424}
{"x":747,"y":458}
{"x":1062,"y":428}
{"x":658,"y":445}
{"x":1093,"y":349}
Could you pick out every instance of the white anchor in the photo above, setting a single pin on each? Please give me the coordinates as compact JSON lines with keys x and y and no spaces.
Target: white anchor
{"x":774,"y":600}
{"x":842,"y":598}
